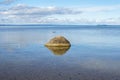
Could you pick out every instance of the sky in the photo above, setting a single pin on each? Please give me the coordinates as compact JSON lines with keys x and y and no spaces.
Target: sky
{"x":83,"y":12}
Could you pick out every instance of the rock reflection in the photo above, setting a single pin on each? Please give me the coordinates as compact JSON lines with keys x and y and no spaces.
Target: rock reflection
{"x":58,"y":50}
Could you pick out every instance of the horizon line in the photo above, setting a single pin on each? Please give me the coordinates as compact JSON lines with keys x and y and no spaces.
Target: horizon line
{"x":59,"y":24}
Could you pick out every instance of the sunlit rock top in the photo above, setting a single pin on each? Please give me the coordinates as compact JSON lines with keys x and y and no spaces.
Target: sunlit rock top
{"x":58,"y":41}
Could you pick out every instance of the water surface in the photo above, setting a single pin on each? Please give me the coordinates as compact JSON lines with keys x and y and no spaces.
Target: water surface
{"x":94,"y":54}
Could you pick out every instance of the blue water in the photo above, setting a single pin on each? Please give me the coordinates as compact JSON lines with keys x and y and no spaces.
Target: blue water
{"x":94,"y":53}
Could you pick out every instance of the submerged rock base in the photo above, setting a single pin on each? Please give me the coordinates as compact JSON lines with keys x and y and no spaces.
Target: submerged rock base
{"x":58,"y":50}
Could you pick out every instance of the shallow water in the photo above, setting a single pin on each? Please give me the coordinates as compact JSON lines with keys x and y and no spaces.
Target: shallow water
{"x":94,"y":54}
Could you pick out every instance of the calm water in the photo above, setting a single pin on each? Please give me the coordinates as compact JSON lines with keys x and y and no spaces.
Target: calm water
{"x":94,"y":54}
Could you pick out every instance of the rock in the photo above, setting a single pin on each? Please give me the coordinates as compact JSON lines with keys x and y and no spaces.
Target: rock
{"x":58,"y":41}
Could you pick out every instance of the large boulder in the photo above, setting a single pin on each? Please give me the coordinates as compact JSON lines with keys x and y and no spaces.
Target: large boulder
{"x":58,"y":41}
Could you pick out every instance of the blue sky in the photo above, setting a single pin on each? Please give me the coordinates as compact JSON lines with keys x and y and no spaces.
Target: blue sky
{"x":66,"y":3}
{"x":60,"y":12}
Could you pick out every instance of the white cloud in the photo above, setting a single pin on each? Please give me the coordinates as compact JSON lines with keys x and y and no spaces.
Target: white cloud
{"x":23,"y":10}
{"x":23,"y":13}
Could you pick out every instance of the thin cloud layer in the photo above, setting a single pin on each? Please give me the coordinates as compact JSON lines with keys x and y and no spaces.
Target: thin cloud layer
{"x":22,"y":10}
{"x":56,"y":15}
{"x":5,"y":2}
{"x":100,"y":8}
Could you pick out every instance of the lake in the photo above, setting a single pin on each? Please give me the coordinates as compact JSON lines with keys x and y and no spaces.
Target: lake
{"x":94,"y":53}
